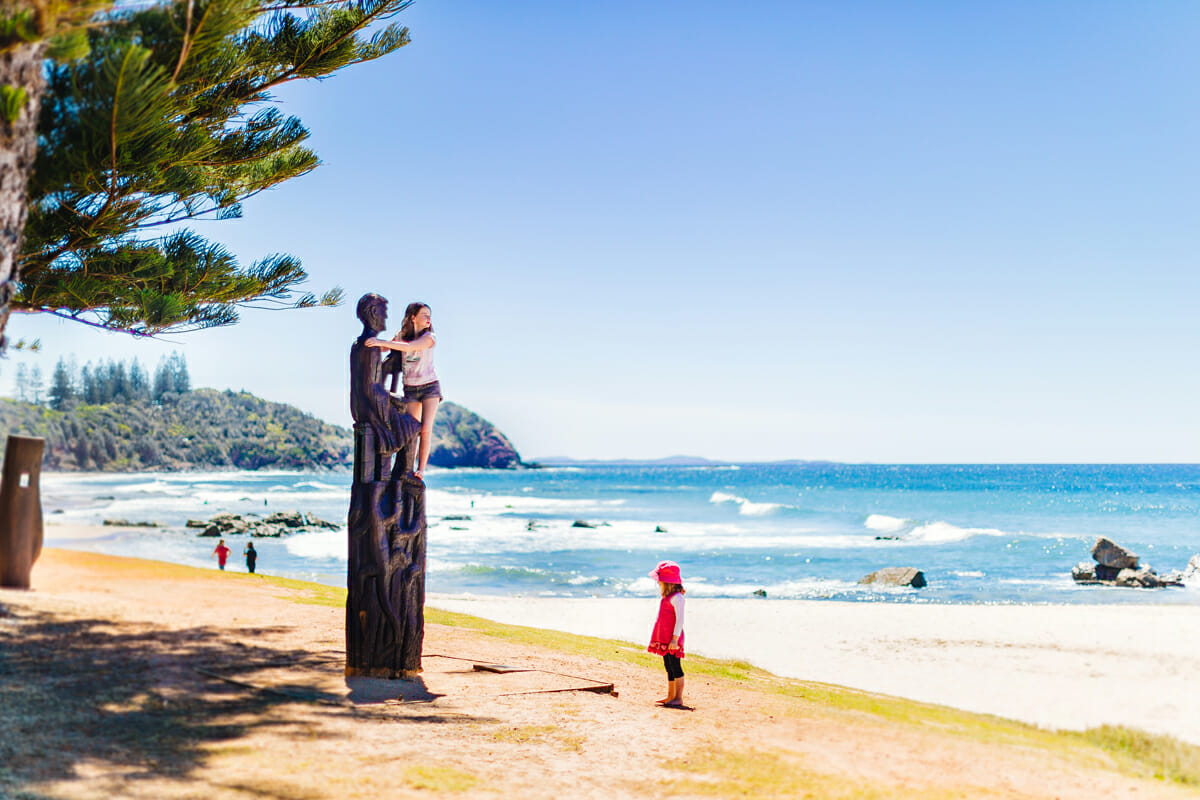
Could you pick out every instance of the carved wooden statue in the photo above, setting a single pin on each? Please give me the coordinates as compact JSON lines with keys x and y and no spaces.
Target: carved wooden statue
{"x":20,"y":510}
{"x":385,"y":606}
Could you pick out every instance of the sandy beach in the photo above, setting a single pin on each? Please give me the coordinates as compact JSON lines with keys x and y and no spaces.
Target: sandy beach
{"x":131,"y":678}
{"x":1062,"y":666}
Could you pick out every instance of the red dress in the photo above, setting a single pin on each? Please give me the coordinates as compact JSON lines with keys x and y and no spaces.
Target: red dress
{"x":664,"y":629}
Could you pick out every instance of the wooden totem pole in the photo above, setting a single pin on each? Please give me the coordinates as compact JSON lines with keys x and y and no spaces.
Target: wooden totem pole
{"x":20,"y":510}
{"x":385,"y":606}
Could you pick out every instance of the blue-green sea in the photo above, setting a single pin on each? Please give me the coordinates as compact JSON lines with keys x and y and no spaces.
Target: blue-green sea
{"x":980,"y":533}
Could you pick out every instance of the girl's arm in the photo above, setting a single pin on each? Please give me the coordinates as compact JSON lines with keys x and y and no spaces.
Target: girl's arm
{"x":677,"y":603}
{"x":422,"y":342}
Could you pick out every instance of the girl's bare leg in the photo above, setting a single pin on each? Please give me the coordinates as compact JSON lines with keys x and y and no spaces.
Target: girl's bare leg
{"x":429,"y":408}
{"x":670,"y":694}
{"x":414,"y":409}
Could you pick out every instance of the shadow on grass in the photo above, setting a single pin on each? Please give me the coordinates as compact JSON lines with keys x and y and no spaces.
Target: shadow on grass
{"x":135,"y":699}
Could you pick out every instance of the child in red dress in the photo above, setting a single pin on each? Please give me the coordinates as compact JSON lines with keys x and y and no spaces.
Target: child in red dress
{"x":667,"y":638}
{"x":222,"y":553}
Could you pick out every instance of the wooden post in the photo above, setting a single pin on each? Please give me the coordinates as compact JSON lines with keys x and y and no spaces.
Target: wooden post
{"x":20,"y":510}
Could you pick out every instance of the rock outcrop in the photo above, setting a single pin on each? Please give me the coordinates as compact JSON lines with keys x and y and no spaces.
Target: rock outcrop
{"x":896,"y":576}
{"x":281,"y":523}
{"x":1110,"y":554}
{"x":1117,"y":566}
{"x":462,"y":438}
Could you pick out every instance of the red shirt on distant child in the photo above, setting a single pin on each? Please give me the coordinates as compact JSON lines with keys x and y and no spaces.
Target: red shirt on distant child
{"x":222,"y":554}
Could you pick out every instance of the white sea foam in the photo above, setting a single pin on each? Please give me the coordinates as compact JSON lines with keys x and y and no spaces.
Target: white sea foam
{"x":942,"y":532}
{"x":885,"y":524}
{"x":747,"y":507}
{"x":318,"y":544}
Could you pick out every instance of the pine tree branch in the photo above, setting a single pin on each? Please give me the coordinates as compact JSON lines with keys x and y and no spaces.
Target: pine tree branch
{"x":75,"y":317}
{"x":187,"y":43}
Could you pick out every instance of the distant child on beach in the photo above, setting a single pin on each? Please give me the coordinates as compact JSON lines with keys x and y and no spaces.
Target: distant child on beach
{"x":251,"y":556}
{"x":222,"y":553}
{"x":422,"y":392}
{"x":667,"y":637}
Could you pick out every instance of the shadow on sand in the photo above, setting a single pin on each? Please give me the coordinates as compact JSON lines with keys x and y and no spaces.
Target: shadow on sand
{"x":143,"y":700}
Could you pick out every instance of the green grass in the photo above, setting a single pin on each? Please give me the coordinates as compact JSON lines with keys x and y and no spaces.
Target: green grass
{"x":438,"y":778}
{"x":767,"y":775}
{"x":1148,"y":754}
{"x":317,"y":594}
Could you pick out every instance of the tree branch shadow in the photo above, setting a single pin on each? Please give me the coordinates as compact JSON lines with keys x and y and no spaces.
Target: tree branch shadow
{"x":135,"y":699}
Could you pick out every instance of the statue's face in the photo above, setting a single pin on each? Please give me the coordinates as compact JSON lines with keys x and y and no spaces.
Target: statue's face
{"x":377,"y":315}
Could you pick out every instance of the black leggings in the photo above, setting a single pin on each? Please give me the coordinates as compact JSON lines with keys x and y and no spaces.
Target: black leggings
{"x":674,"y":668}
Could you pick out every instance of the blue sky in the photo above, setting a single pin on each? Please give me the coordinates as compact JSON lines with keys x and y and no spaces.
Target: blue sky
{"x":891,"y":232}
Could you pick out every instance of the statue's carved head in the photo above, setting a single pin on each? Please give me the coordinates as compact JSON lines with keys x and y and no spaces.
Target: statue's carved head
{"x":372,"y":311}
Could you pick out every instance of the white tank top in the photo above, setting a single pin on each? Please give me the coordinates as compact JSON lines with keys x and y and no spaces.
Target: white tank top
{"x":418,"y":364}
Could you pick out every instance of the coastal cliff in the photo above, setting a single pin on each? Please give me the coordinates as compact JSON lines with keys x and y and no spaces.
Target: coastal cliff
{"x":212,"y":429}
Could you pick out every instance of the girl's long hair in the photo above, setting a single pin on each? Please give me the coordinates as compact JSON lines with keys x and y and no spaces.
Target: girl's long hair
{"x":669,"y":589}
{"x":408,"y":330}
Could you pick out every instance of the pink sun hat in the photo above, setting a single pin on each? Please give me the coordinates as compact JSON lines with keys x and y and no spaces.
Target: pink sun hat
{"x":666,"y":572}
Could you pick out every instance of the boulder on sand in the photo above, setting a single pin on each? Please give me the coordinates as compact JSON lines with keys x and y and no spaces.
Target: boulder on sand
{"x":896,"y":576}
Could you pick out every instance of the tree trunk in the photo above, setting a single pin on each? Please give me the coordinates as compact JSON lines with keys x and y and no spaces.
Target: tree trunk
{"x":20,"y":68}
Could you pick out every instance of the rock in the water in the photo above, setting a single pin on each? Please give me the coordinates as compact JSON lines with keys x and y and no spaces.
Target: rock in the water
{"x":290,"y":519}
{"x":1110,"y":554}
{"x":1084,"y":572}
{"x":1144,"y":578}
{"x":278,"y":524}
{"x":760,"y":592}
{"x":124,"y":523}
{"x":659,"y":529}
{"x":581,"y":523}
{"x":197,"y":523}
{"x":896,"y":576}
{"x":1141,"y":578}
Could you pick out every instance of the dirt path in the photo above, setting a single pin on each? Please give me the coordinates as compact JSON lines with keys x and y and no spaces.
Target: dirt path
{"x":132,"y":679}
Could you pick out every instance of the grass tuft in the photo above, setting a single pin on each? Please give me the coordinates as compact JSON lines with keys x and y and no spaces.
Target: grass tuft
{"x":538,"y":734}
{"x":438,"y":778}
{"x":1163,"y":757}
{"x":763,"y":774}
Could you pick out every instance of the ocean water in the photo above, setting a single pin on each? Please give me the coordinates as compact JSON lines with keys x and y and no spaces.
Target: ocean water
{"x":980,"y":533}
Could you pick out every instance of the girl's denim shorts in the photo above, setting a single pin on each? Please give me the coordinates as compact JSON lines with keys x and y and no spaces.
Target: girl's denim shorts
{"x":415,"y":394}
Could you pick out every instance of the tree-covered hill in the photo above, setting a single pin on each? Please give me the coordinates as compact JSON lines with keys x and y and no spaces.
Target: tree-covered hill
{"x":211,"y":429}
{"x":119,"y":417}
{"x":202,"y":429}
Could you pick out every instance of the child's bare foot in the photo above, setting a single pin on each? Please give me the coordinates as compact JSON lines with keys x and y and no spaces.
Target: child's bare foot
{"x":663,"y":702}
